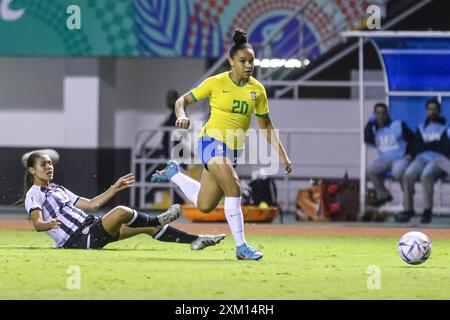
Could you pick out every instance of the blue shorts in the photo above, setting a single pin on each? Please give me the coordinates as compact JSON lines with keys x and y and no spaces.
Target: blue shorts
{"x":209,"y":148}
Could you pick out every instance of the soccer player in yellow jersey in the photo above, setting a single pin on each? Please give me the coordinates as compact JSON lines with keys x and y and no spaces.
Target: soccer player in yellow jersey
{"x":233,"y":97}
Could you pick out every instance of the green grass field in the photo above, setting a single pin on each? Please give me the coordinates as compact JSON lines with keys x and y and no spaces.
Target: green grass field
{"x":293,"y":268}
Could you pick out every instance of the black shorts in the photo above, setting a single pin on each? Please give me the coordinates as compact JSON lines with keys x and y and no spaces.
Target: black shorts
{"x":92,"y":235}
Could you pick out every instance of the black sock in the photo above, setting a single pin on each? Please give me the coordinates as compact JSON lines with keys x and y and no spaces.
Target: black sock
{"x":141,"y":220}
{"x":171,"y":234}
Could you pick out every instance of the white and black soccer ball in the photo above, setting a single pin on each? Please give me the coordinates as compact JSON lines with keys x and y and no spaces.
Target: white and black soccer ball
{"x":414,"y":247}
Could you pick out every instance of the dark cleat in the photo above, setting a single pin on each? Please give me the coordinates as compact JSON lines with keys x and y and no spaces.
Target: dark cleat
{"x":380,"y":202}
{"x":427,"y":216}
{"x":404,"y":216}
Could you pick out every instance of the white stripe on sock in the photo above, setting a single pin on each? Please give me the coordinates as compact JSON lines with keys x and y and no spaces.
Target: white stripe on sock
{"x":160,"y":232}
{"x":88,"y":245}
{"x":134,"y":217}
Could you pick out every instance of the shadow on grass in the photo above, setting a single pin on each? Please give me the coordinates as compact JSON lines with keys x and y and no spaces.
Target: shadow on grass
{"x":410,"y":267}
{"x":27,"y":248}
{"x":106,"y":250}
{"x":184,"y":260}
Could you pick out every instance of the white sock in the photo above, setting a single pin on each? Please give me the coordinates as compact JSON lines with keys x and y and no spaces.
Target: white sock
{"x":189,"y":186}
{"x":235,"y":218}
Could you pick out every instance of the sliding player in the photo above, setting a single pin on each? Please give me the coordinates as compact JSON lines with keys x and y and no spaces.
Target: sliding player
{"x":57,"y":211}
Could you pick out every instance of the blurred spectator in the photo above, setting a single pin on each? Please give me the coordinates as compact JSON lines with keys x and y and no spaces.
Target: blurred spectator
{"x":443,"y":163}
{"x":427,"y":147}
{"x":165,"y":150}
{"x":171,"y":98}
{"x":391,"y":138}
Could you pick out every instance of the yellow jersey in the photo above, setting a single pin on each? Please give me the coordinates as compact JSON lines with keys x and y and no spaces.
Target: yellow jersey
{"x":232,"y":106}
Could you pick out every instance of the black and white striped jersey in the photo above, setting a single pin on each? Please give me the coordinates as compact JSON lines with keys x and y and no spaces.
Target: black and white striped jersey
{"x":56,"y":202}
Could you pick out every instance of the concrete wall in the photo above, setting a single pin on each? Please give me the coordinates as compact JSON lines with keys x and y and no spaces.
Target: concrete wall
{"x":31,"y":92}
{"x":86,"y":103}
{"x":141,"y":89}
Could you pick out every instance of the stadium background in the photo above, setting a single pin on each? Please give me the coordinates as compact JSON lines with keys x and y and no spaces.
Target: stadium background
{"x":92,"y":90}
{"x":88,"y":92}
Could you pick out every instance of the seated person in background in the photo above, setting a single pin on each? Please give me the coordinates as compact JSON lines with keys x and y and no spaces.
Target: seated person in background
{"x":391,"y":138}
{"x":443,"y":163}
{"x":427,"y":146}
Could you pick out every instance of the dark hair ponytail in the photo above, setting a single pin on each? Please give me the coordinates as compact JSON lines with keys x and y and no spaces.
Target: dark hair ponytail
{"x":240,"y":40}
{"x":28,"y":179}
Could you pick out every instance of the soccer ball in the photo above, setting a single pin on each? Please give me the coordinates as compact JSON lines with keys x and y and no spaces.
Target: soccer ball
{"x":414,"y":247}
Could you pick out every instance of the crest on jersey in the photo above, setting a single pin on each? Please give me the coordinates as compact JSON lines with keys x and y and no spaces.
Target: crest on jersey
{"x":253,"y":93}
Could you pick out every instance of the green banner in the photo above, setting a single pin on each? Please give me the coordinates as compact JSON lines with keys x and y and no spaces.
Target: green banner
{"x":163,"y":28}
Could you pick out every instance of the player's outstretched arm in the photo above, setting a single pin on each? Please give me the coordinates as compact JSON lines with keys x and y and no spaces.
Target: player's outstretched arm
{"x":181,"y":104}
{"x":39,"y":225}
{"x":272,"y":137}
{"x":95,"y":203}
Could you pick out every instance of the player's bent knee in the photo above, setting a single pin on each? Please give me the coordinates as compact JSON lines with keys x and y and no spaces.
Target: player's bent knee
{"x":205,"y":208}
{"x":427,"y":178}
{"x":123,"y":212}
{"x":123,"y":209}
{"x":397,"y":176}
{"x":409,"y":177}
{"x":233,"y":189}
